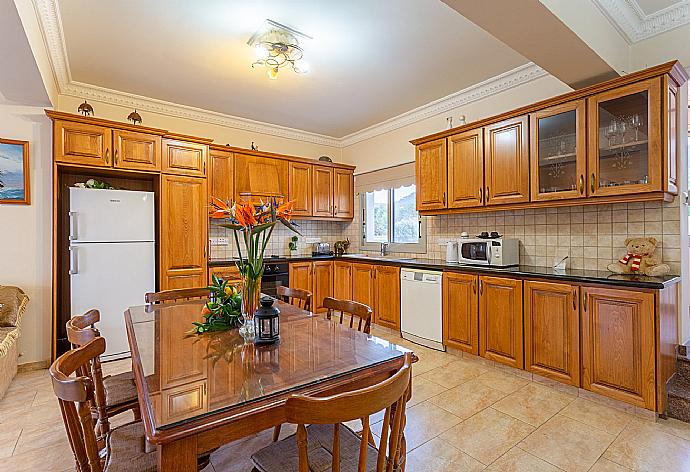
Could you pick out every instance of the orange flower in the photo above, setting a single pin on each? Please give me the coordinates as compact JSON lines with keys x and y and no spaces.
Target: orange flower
{"x":220,"y":209}
{"x":285,"y":210}
{"x":245,"y":214}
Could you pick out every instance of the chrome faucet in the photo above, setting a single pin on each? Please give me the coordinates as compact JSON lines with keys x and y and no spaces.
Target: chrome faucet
{"x":384,"y":248}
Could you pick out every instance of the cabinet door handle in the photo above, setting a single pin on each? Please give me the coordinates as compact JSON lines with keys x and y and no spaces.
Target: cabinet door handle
{"x":115,"y":156}
{"x":486,"y":194}
{"x":481,"y":195}
{"x":591,"y":183}
{"x":203,"y":171}
{"x":584,"y":301}
{"x":444,"y":198}
{"x":474,"y":286}
{"x":335,"y":209}
{"x":481,"y":287}
{"x":582,"y":184}
{"x":574,"y":299}
{"x":107,"y":155}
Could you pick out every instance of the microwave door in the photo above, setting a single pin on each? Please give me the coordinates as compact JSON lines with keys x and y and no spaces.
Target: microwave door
{"x":475,"y":253}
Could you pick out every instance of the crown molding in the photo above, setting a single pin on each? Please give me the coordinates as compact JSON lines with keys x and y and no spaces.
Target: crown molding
{"x":513,"y":78}
{"x":51,"y":25}
{"x":635,"y":25}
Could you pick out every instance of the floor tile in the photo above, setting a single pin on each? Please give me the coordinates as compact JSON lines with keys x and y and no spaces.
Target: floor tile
{"x":426,"y":421}
{"x":534,"y":403}
{"x":517,"y":460}
{"x":567,"y":444}
{"x":455,"y":373}
{"x":439,"y":456}
{"x":42,"y":435}
{"x":600,"y":416}
{"x":675,"y":427}
{"x":423,"y":389}
{"x":487,"y":435}
{"x":605,"y":465}
{"x":8,"y":440}
{"x":644,"y":446}
{"x":499,"y":380}
{"x":54,"y":458}
{"x":468,"y":398}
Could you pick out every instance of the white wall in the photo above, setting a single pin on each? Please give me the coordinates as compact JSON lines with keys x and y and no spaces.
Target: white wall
{"x":394,"y":148}
{"x":26,"y":231}
{"x":662,"y":48}
{"x":219,"y":134}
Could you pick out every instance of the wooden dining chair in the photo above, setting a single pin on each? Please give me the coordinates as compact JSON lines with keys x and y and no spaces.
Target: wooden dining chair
{"x":353,"y":309}
{"x":326,"y":440}
{"x":295,"y":296}
{"x":124,"y":445}
{"x":177,"y":295}
{"x":115,"y":393}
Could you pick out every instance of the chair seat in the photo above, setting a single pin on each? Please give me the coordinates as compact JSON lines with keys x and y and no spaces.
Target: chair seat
{"x":119,"y":389}
{"x":127,"y":450}
{"x":283,"y":456}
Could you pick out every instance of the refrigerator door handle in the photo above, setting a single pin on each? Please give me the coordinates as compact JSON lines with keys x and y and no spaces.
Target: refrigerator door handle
{"x":73,"y":261}
{"x":73,"y":229}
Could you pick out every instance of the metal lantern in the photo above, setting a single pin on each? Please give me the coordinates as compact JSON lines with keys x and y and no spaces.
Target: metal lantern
{"x":266,"y":322}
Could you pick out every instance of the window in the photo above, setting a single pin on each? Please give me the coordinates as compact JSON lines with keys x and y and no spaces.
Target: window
{"x":390,"y":216}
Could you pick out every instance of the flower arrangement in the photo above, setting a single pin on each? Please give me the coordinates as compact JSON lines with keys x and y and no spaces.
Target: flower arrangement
{"x":223,"y":310}
{"x":254,"y":224}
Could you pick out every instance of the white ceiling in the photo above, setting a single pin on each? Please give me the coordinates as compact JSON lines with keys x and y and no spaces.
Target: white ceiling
{"x":370,"y":60}
{"x":653,"y":6}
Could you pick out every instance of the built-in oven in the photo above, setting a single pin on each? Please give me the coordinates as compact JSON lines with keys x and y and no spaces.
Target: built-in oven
{"x":275,"y":274}
{"x":500,"y":252}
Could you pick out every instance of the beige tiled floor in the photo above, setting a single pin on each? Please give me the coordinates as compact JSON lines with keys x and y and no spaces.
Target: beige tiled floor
{"x":466,"y":414}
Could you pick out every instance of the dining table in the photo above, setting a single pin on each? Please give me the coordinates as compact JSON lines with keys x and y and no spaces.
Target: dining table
{"x":198,"y":392}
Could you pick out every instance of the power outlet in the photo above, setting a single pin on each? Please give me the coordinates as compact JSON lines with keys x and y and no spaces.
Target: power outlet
{"x":219,"y":241}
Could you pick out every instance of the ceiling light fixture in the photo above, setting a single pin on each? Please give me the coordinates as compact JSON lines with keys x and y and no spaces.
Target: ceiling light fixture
{"x":276,"y":46}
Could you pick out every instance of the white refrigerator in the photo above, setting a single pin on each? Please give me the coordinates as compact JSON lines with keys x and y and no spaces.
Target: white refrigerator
{"x":112,"y":257}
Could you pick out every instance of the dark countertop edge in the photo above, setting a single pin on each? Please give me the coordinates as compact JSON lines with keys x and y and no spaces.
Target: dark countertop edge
{"x":531,"y":272}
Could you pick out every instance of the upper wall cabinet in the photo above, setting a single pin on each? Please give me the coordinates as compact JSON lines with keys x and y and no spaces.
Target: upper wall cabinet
{"x":625,"y":139}
{"x":323,"y":191}
{"x":221,"y":175}
{"x":343,"y":194}
{"x":431,"y":175}
{"x":506,"y":163}
{"x":136,"y":151}
{"x":185,"y":158}
{"x":300,"y":185}
{"x":558,"y":152}
{"x":83,"y":144}
{"x":466,"y":169}
{"x":260,"y":178}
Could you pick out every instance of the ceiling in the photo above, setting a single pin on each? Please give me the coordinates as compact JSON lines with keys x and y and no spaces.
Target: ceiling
{"x":370,"y":60}
{"x":652,"y":6}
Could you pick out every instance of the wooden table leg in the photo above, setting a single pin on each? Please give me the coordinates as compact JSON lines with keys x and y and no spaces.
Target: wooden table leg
{"x":178,"y":456}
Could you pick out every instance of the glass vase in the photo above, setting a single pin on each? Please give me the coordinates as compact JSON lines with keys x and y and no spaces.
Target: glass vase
{"x":251,"y":292}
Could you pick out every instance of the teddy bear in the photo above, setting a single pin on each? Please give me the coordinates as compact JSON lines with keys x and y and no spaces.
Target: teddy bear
{"x":640,"y":259}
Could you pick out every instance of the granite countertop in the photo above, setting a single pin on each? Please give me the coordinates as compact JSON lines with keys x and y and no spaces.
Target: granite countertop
{"x":569,"y":275}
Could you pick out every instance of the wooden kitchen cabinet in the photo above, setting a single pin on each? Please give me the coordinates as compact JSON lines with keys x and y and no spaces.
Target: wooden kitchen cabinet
{"x":343,"y":194}
{"x":342,"y":280}
{"x":461,"y":312}
{"x":136,"y":151}
{"x":300,"y":188}
{"x":322,"y":283}
{"x":229,"y":273}
{"x":430,"y":171}
{"x":625,"y":154}
{"x":500,"y":320}
{"x":387,"y":296}
{"x":184,"y":158}
{"x":323,"y":191}
{"x":300,"y":274}
{"x":221,"y":175}
{"x":82,"y":143}
{"x":558,"y":152}
{"x":506,"y":162}
{"x":183,"y":232}
{"x":466,"y":169}
{"x":618,"y":344}
{"x":363,"y":285}
{"x":552,"y":331}
{"x":259,"y":178}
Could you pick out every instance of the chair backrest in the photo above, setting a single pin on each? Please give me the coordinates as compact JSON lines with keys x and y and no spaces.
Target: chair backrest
{"x":81,"y":328}
{"x":295,"y":296}
{"x":177,"y":295}
{"x":352,"y":308}
{"x":391,"y":395}
{"x":75,"y":396}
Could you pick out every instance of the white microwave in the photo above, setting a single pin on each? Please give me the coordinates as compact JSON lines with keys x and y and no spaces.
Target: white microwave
{"x":497,"y":252}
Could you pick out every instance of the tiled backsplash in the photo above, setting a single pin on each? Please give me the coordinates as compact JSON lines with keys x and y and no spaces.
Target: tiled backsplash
{"x":592,"y":235}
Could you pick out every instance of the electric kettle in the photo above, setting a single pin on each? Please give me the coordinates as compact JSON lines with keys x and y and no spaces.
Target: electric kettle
{"x":452,"y":251}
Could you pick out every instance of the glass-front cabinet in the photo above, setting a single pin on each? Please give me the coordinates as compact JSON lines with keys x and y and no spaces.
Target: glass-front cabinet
{"x":625,"y":154}
{"x":558,"y":152}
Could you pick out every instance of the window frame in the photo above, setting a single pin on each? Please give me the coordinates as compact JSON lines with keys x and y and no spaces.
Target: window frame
{"x":419,"y":247}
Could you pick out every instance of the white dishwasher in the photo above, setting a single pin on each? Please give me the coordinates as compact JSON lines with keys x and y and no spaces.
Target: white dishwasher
{"x":421,"y":307}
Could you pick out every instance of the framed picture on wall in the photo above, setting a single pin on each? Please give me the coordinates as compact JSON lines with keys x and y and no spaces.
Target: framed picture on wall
{"x":14,"y":172}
